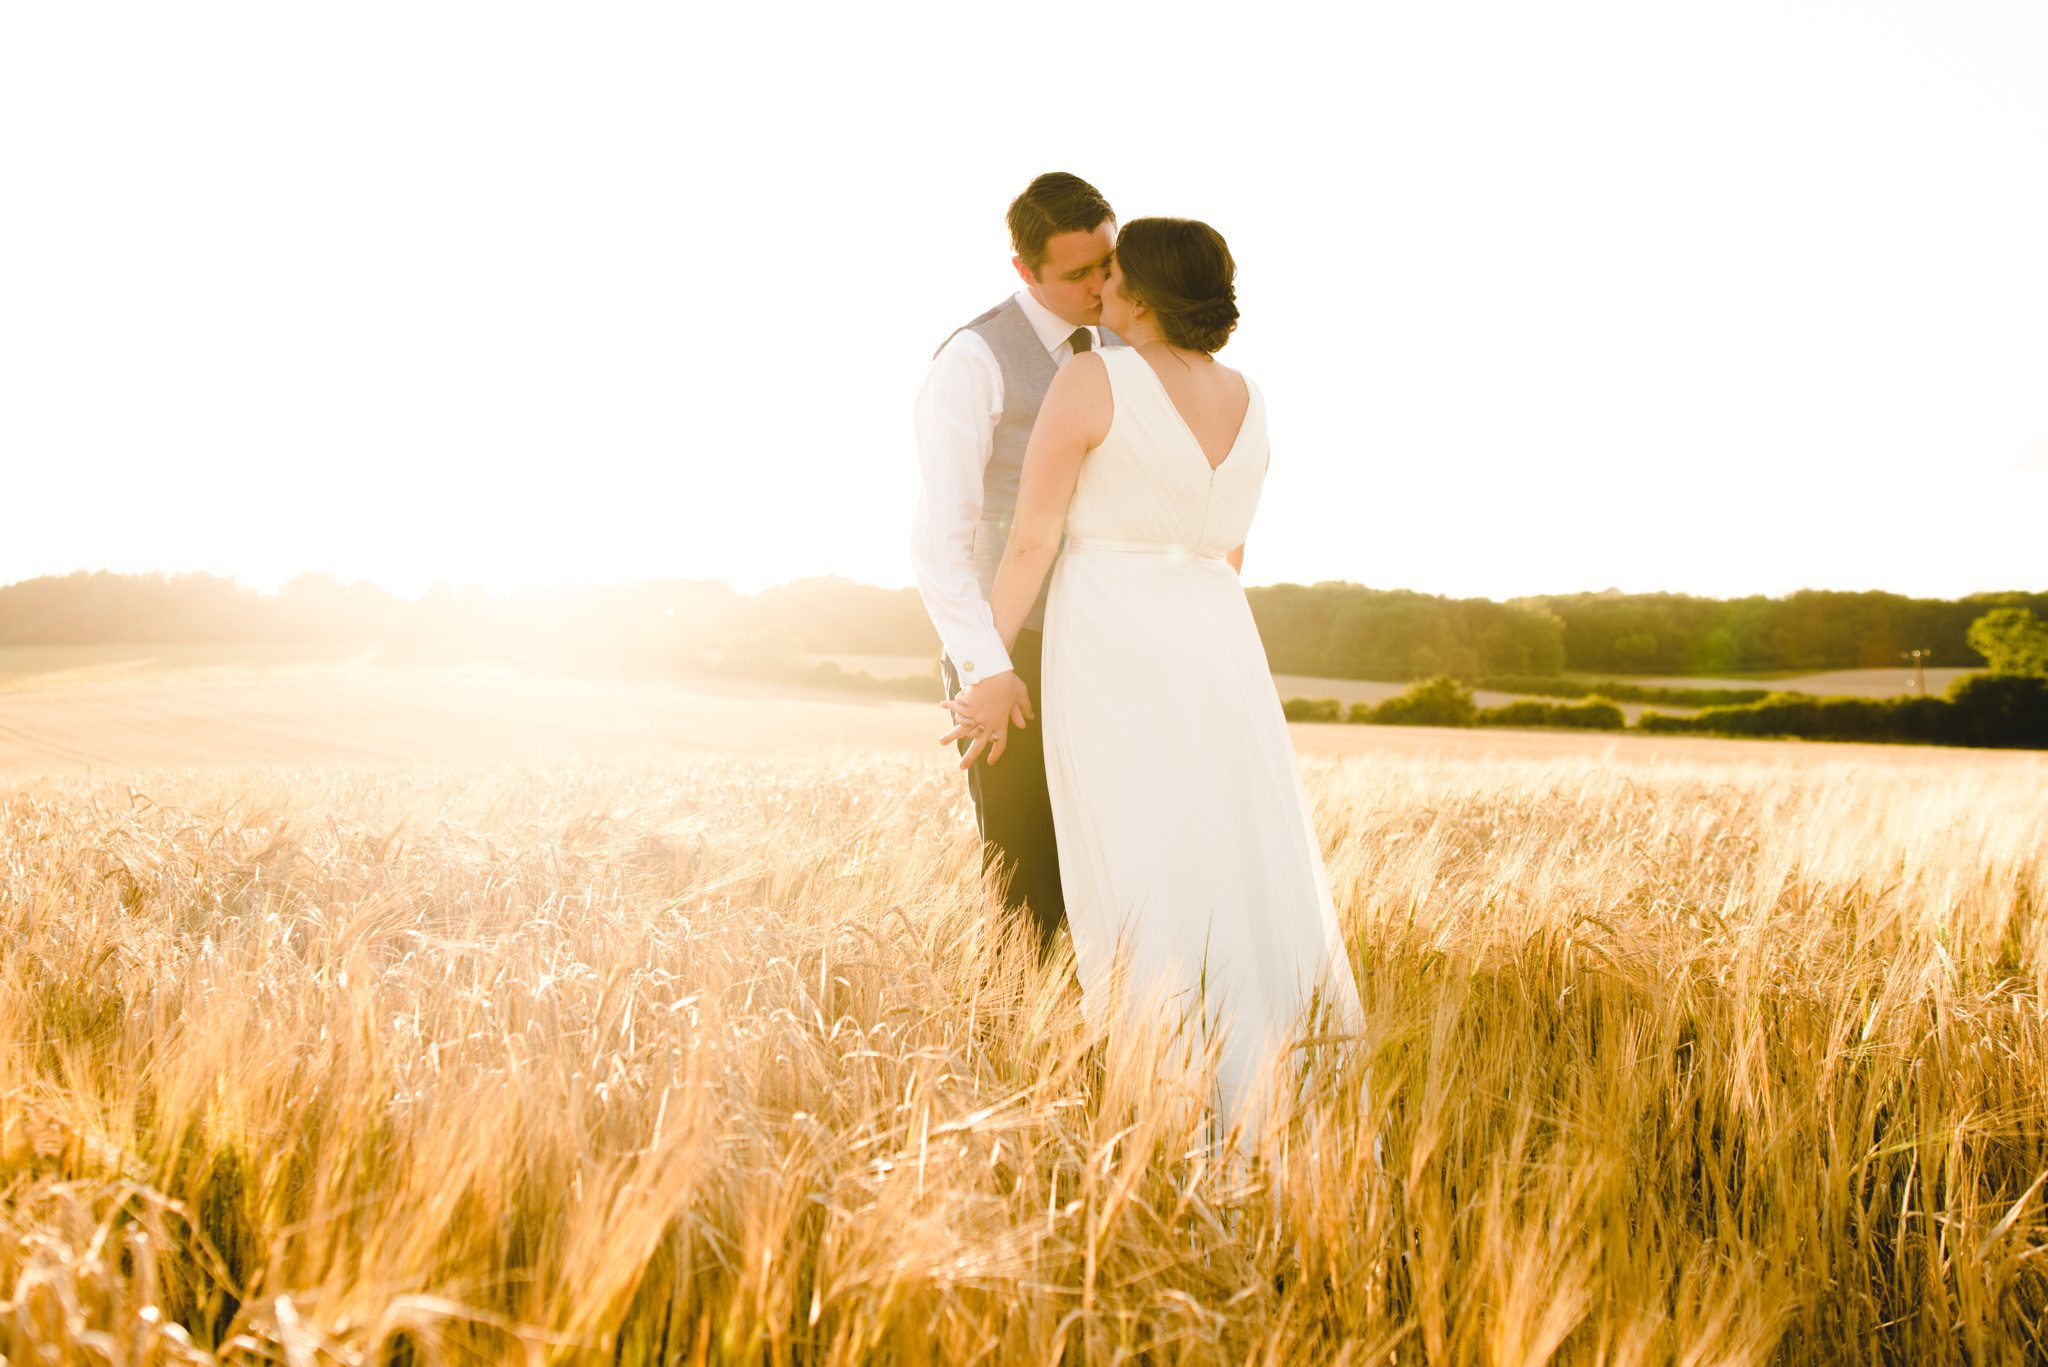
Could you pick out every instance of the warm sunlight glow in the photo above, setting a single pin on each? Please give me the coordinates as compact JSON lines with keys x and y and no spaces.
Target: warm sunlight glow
{"x":1545,"y":298}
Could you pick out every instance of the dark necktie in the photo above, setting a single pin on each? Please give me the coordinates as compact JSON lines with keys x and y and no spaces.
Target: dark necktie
{"x":1080,"y":341}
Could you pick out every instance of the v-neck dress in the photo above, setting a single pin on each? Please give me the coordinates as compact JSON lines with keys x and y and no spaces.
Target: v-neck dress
{"x":1193,"y":877}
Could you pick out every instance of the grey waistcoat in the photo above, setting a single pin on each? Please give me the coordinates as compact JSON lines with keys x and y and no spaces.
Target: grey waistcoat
{"x":1027,"y":373}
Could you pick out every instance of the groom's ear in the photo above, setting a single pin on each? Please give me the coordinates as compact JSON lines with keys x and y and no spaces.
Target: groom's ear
{"x":1023,"y":271}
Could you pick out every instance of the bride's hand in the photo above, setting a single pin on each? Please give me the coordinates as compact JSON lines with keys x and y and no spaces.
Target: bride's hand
{"x":985,"y":712}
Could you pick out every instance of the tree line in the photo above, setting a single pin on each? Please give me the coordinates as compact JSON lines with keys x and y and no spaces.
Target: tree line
{"x":1335,"y":630}
{"x":1348,"y":632}
{"x":654,"y":624}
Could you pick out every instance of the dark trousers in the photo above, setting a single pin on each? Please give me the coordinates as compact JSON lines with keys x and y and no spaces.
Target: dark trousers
{"x":1012,"y":809}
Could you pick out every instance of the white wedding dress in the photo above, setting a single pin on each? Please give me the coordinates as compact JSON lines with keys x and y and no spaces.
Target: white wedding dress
{"x":1186,"y":844}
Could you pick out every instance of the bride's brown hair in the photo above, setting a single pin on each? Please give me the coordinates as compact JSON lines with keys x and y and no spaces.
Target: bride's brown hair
{"x":1182,"y":270}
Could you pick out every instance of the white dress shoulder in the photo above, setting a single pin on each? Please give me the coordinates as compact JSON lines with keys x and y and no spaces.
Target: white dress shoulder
{"x":1187,"y":848}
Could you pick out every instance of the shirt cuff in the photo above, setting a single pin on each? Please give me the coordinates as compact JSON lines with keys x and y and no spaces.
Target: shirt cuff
{"x":981,"y":656}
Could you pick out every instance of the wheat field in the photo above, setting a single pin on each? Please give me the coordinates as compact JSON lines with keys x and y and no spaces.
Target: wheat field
{"x":700,"y":1057}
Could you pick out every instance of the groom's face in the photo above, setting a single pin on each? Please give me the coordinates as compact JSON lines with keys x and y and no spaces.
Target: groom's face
{"x":1069,"y":280}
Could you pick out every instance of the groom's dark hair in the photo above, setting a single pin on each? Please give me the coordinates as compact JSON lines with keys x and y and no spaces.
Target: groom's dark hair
{"x":1054,"y":203}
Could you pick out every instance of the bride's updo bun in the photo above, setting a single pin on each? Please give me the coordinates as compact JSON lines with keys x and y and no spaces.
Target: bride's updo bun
{"x":1181,"y":269}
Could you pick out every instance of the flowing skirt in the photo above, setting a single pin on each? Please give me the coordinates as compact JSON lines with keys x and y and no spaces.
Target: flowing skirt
{"x":1194,"y":879}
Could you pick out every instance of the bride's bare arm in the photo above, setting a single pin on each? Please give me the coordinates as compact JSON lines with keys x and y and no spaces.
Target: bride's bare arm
{"x":1236,"y":558}
{"x":1074,"y":417}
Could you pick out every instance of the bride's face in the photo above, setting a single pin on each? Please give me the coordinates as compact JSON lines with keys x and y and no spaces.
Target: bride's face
{"x":1116,"y":307}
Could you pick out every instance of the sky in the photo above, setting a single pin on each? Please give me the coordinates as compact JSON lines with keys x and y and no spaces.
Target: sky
{"x":1727,"y":299}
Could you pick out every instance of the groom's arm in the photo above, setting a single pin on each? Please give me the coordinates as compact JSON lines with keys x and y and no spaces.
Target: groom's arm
{"x":955,"y":416}
{"x":1072,"y":420}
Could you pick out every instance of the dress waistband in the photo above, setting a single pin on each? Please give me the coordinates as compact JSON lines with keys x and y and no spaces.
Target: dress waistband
{"x":1102,"y":543}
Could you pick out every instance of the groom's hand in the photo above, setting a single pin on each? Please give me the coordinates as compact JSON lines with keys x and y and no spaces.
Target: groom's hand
{"x":985,"y":711}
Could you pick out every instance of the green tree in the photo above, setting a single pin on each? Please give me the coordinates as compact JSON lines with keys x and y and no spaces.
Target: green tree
{"x":1312,"y":709}
{"x":1440,"y":701}
{"x":2000,"y":709}
{"x":1719,"y":651}
{"x":2012,"y":641}
{"x":1637,"y":649}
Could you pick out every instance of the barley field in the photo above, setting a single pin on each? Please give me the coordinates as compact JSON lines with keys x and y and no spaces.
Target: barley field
{"x":1678,"y":1051}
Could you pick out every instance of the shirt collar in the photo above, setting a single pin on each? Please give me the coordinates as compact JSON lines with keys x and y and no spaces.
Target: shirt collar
{"x":1052,"y":329}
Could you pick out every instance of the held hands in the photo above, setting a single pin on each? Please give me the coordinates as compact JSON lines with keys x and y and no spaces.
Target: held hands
{"x":985,"y":712}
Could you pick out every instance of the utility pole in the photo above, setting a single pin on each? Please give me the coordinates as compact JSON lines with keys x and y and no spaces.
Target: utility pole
{"x":1919,"y":673}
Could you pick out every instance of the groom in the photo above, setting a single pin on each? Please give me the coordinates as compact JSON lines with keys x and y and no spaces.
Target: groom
{"x":974,"y":419}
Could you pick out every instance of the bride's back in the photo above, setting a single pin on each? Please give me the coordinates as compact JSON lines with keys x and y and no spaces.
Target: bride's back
{"x":1154,"y":479}
{"x":1211,"y":398}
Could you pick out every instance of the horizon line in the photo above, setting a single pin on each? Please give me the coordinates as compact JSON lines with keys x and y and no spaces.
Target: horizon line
{"x":560,"y":585}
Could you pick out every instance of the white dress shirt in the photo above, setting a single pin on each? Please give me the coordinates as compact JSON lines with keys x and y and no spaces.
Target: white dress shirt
{"x":956,"y":417}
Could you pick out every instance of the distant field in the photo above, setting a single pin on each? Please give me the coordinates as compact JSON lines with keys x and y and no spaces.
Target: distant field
{"x":25,"y":667}
{"x":308,"y":713}
{"x":366,"y":713}
{"x":1865,"y":683}
{"x":1857,"y":683}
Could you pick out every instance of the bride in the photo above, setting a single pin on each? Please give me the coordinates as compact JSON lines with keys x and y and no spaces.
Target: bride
{"x":1186,"y":848}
